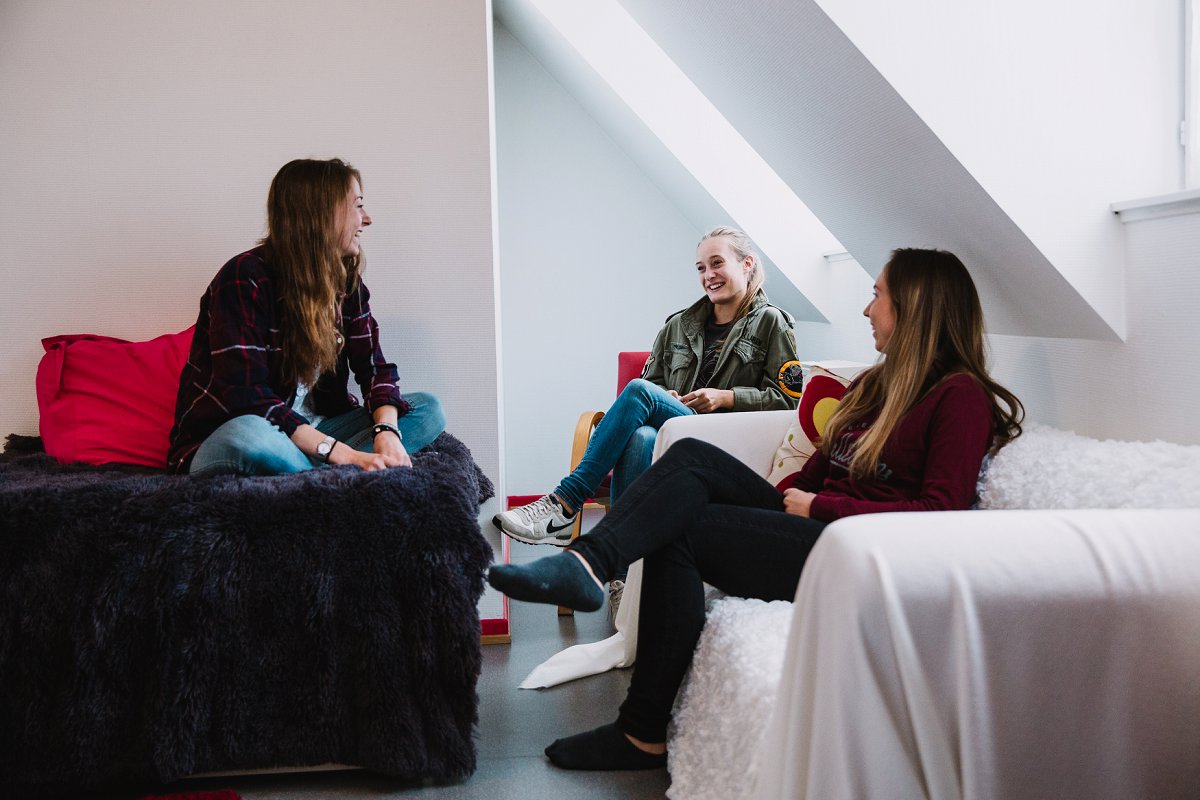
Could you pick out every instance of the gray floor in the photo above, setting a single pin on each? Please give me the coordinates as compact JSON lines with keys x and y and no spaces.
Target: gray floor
{"x":515,"y":725}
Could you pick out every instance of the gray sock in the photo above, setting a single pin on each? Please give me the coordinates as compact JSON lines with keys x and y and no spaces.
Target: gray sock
{"x":560,"y":580}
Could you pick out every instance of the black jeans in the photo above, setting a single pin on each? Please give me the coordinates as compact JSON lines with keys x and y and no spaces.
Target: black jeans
{"x":697,"y":516}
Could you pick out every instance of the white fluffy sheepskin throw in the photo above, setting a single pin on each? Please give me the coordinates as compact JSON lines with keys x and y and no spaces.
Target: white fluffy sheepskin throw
{"x":1049,"y":468}
{"x":721,"y":715}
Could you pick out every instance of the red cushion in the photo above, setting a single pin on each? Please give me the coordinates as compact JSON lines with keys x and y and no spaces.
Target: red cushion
{"x":630,"y":365}
{"x":103,"y":400}
{"x":821,"y":395}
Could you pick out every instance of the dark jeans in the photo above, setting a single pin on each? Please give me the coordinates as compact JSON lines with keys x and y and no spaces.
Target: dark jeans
{"x":697,"y":516}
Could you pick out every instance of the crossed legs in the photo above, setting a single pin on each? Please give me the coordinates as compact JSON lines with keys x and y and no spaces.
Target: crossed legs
{"x":697,"y":516}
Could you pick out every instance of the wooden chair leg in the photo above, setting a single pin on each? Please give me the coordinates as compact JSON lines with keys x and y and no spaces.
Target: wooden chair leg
{"x":587,"y":423}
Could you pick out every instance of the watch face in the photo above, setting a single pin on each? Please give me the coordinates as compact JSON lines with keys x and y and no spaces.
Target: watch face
{"x":323,"y":448}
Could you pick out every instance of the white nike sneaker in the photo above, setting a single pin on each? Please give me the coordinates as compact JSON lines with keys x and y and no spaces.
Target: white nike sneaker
{"x":544,"y":521}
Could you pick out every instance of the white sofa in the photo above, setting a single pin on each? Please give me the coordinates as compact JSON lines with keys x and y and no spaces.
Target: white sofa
{"x":1042,"y":653}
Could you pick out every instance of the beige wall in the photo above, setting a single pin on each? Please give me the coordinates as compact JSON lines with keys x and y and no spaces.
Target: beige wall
{"x":137,"y":141}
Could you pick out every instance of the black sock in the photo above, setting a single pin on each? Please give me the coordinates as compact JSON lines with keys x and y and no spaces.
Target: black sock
{"x":560,"y":580}
{"x":602,"y":748}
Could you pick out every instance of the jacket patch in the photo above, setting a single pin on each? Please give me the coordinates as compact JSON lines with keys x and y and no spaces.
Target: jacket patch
{"x":791,"y":378}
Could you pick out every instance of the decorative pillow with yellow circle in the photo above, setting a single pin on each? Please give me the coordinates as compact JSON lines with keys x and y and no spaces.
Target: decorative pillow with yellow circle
{"x":823,"y":389}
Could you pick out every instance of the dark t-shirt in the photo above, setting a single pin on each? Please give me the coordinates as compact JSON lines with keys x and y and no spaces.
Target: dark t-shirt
{"x":714,"y":343}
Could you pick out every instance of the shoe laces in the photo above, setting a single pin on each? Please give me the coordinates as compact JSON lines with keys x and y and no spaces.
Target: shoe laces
{"x":542,"y":507}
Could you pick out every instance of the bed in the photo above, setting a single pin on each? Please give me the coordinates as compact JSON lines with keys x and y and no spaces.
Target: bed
{"x":155,"y":626}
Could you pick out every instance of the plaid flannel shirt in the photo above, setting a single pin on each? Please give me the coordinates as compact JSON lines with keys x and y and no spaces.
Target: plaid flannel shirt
{"x":233,"y":367}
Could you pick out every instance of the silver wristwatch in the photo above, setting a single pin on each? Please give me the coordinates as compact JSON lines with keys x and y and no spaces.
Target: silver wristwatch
{"x":325,"y":448}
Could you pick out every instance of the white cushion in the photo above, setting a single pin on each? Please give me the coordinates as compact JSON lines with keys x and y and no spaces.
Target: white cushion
{"x":717,"y":727}
{"x":1049,"y":468}
{"x":798,"y":443}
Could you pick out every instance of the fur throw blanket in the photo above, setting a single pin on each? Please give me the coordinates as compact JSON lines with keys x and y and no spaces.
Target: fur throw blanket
{"x":154,"y":626}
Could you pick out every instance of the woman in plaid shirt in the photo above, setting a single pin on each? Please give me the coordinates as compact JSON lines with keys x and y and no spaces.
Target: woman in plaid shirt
{"x":281,"y":327}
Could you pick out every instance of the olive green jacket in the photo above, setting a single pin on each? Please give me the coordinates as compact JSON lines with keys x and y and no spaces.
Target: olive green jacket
{"x":758,"y":361}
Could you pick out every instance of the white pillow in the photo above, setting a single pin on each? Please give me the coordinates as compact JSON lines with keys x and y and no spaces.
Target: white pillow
{"x":811,"y":415}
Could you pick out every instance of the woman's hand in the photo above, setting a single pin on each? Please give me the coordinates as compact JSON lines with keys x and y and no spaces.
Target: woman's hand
{"x":704,"y":401}
{"x":797,"y":501}
{"x":389,"y":446}
{"x":343,"y":453}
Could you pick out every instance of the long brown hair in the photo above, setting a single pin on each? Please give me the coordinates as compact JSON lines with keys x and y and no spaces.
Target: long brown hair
{"x":303,"y":249}
{"x":938,"y":332}
{"x":743,"y":248}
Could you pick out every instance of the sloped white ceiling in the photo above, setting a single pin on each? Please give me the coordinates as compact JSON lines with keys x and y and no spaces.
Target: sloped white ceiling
{"x":859,"y":156}
{"x":806,"y":243}
{"x":871,"y":168}
{"x":1057,"y":108}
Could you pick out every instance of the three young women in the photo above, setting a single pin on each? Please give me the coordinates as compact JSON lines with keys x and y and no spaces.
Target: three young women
{"x":281,"y":328}
{"x":909,"y":435}
{"x":731,"y":350}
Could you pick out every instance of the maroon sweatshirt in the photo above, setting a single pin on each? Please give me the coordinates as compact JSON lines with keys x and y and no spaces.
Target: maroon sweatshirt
{"x":929,"y":463}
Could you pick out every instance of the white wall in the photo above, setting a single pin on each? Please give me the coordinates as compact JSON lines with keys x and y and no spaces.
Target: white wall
{"x":674,"y":135}
{"x":860,"y":156}
{"x":1058,"y":108}
{"x":1144,"y":388}
{"x":139,"y":139}
{"x":593,"y":257}
{"x":849,"y":338}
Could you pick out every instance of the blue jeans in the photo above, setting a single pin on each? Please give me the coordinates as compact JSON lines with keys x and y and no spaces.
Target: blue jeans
{"x":623,"y":442}
{"x":249,"y":445}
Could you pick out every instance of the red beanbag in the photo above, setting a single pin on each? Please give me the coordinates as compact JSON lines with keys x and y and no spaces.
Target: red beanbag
{"x":103,"y":400}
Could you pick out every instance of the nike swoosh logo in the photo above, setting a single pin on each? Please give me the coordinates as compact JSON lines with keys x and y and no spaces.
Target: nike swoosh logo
{"x":550,"y":528}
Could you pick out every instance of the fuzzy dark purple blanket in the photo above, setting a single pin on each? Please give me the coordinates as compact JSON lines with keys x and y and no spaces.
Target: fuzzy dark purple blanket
{"x":155,"y":626}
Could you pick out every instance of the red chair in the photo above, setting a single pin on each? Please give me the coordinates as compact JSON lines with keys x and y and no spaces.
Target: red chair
{"x":630,"y":365}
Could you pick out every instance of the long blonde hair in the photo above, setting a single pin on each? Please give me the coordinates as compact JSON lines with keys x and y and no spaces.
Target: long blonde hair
{"x":303,"y":249}
{"x":743,"y":248}
{"x":938,"y":332}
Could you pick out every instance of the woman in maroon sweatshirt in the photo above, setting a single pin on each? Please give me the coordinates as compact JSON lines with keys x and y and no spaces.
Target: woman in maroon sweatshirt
{"x":909,"y":435}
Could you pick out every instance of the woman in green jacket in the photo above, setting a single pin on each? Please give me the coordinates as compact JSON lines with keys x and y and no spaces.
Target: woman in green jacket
{"x":729,"y":351}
